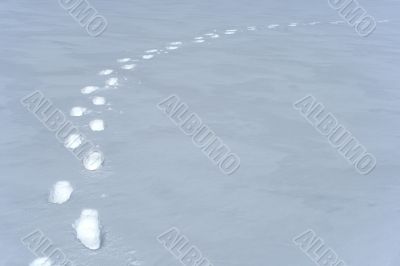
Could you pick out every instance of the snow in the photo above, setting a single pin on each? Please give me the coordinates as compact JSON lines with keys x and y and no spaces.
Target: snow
{"x":124,"y":60}
{"x":128,"y":67}
{"x":147,"y":57}
{"x":77,"y":111}
{"x":98,"y":100}
{"x":89,"y":89}
{"x":112,"y":82}
{"x":88,"y":229}
{"x":93,"y":160}
{"x":61,"y":192}
{"x":43,"y":261}
{"x":97,"y":125}
{"x":106,"y":72}
{"x":73,"y":141}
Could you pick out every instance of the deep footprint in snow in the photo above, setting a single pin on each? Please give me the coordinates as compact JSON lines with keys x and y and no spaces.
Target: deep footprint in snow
{"x":61,"y":192}
{"x":128,"y":66}
{"x":89,"y":89}
{"x":273,"y":26}
{"x":96,"y":125}
{"x":93,"y":160}
{"x":147,"y":56}
{"x":112,"y":82}
{"x":151,"y":51}
{"x":88,"y":229}
{"x":73,"y":141}
{"x":43,"y":261}
{"x":230,"y":32}
{"x":98,"y":100}
{"x":106,"y":72}
{"x":124,"y":60}
{"x":77,"y":111}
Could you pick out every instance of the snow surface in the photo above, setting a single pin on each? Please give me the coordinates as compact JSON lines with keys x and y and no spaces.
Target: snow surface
{"x":242,"y":86}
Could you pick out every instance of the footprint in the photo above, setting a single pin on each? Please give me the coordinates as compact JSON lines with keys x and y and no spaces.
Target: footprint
{"x":336,"y":22}
{"x":93,"y":160}
{"x":293,"y":24}
{"x":61,"y":192}
{"x":88,"y":229}
{"x":128,"y":67}
{"x":147,"y":56}
{"x":106,"y":72}
{"x":112,"y":82}
{"x":151,"y":51}
{"x":230,"y":32}
{"x":98,"y":100}
{"x":172,"y":47}
{"x":96,"y":125}
{"x":43,"y":261}
{"x":273,"y":26}
{"x":124,"y":60}
{"x":89,"y":89}
{"x":176,"y":43}
{"x":73,"y":141}
{"x":77,"y":111}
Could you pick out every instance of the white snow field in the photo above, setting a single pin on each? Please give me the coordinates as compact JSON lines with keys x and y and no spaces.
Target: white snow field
{"x":88,"y":229}
{"x":61,"y":192}
{"x":252,"y":60}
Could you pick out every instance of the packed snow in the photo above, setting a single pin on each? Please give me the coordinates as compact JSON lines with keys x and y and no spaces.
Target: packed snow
{"x":61,"y":192}
{"x":97,"y":125}
{"x":77,"y":111}
{"x":94,"y":160}
{"x":88,"y":229}
{"x":43,"y":261}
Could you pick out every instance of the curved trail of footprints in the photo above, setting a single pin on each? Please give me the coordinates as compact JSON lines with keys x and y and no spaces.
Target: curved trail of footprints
{"x":88,"y":226}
